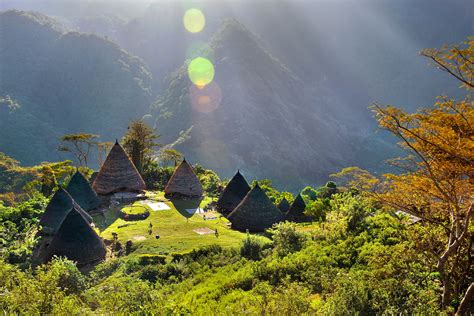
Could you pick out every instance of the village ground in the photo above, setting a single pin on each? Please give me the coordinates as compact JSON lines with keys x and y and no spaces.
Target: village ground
{"x":178,"y":230}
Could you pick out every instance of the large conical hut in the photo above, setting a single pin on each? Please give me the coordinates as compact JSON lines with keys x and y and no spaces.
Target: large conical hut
{"x":255,"y":213}
{"x":58,"y":208}
{"x":233,"y":194}
{"x":118,"y":174}
{"x":77,"y":241}
{"x":284,"y":206}
{"x":66,"y":231}
{"x":81,"y":191}
{"x":183,"y":184}
{"x":296,"y":211}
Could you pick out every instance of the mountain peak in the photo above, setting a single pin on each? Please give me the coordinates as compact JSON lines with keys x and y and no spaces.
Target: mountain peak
{"x":235,"y":42}
{"x":30,"y":17}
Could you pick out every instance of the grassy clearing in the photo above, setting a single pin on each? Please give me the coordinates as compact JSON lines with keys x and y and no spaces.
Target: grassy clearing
{"x":135,"y":209}
{"x":175,"y":228}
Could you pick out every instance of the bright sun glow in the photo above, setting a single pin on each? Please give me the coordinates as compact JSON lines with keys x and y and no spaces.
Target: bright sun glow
{"x":201,"y":72}
{"x":206,"y":99}
{"x":194,"y":20}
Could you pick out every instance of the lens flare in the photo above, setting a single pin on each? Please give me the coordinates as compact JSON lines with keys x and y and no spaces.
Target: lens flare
{"x":201,"y":71}
{"x":194,"y":20}
{"x":205,"y":99}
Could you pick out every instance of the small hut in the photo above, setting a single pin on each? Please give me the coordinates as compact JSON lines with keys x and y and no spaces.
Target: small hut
{"x":233,"y":194}
{"x":118,"y":174}
{"x":296,"y":211}
{"x":77,"y":241}
{"x":255,"y":213}
{"x":81,"y":192}
{"x":284,"y":206}
{"x":58,"y":208}
{"x":183,"y":184}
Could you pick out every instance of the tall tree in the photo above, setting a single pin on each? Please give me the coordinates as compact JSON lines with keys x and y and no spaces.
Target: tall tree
{"x":436,"y":182}
{"x":139,"y":143}
{"x":80,"y":145}
{"x":170,"y":155}
{"x":102,"y":149}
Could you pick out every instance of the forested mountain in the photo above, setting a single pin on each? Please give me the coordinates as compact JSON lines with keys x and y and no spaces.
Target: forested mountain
{"x":294,"y":78}
{"x":258,"y":115}
{"x":55,"y":82}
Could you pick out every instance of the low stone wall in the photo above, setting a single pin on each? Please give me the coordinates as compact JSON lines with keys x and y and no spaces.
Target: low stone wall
{"x":135,"y":217}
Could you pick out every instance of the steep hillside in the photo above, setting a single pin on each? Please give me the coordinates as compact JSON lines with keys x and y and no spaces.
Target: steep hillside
{"x":63,"y":83}
{"x":259,"y":116}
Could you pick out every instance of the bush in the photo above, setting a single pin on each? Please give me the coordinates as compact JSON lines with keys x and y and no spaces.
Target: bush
{"x":251,"y":248}
{"x":150,"y":273}
{"x":151,"y":259}
{"x":286,"y":239}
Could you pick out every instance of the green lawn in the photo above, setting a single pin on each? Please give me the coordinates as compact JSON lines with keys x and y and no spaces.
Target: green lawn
{"x":175,"y":228}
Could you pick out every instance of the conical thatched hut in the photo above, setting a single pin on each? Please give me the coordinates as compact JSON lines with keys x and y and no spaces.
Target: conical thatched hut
{"x":255,"y":213}
{"x":184,"y":183}
{"x":284,"y":206}
{"x":296,"y":211}
{"x":233,"y":194}
{"x":118,"y":173}
{"x":77,"y":241}
{"x":81,"y":191}
{"x":67,"y":232}
{"x":58,"y":208}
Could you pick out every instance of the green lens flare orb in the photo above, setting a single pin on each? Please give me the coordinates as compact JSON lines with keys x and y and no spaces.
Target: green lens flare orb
{"x":201,"y":71}
{"x":194,"y":20}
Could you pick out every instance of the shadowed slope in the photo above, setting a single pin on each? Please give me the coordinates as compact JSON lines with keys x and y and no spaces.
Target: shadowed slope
{"x":118,"y":173}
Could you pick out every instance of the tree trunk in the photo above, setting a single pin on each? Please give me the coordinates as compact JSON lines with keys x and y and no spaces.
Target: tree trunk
{"x":446,"y":297}
{"x":466,"y":302}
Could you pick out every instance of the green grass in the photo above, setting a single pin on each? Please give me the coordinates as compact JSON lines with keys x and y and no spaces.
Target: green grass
{"x":175,"y":228}
{"x":136,"y":209}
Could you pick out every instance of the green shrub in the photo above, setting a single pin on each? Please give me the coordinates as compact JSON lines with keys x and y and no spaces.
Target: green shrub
{"x":251,"y":248}
{"x":151,"y":259}
{"x":286,"y":239}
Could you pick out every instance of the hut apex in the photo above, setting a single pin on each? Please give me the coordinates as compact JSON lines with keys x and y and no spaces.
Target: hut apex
{"x":284,"y":206}
{"x":183,"y":184}
{"x":233,"y":194}
{"x":59,"y":207}
{"x":81,"y":191}
{"x":255,"y":213}
{"x":118,"y":174}
{"x":296,"y":211}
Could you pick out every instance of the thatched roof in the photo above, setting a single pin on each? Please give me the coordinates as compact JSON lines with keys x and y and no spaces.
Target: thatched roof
{"x":93,"y":177}
{"x":76,"y":240}
{"x":183,"y":182}
{"x":297,"y":208}
{"x":59,"y":207}
{"x":284,"y":205}
{"x":118,"y":173}
{"x":233,"y":194}
{"x":256,"y":212}
{"x":81,"y":191}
